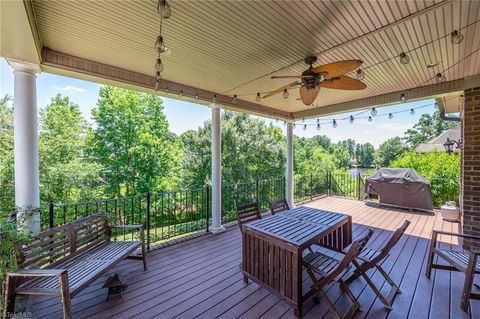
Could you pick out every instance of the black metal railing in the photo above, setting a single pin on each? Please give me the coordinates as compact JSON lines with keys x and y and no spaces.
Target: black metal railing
{"x":167,"y":215}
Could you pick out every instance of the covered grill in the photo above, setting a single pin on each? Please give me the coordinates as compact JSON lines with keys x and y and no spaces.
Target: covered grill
{"x":402,"y":187}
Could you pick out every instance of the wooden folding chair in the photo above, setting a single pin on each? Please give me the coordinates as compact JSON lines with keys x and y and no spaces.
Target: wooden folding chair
{"x":369,"y":258}
{"x":278,"y":206}
{"x":247,"y":213}
{"x":464,"y":261}
{"x":323,"y":270}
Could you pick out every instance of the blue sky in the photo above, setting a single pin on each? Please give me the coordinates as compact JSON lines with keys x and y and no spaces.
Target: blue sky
{"x":183,"y":116}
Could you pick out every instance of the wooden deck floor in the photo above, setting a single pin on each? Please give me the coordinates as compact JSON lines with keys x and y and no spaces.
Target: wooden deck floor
{"x":201,"y":278}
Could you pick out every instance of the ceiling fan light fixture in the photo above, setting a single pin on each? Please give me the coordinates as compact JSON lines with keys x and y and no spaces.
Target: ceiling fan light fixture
{"x":360,"y":75}
{"x":440,"y":78}
{"x":404,"y":58}
{"x":258,"y":98}
{"x":456,"y":37}
{"x":285,"y":94}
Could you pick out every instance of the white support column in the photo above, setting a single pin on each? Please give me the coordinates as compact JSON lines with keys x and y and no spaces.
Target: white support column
{"x":216,"y":226}
{"x":289,"y":171}
{"x":27,"y":192}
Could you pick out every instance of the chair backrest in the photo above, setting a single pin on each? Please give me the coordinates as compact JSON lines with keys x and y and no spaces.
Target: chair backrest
{"x":385,"y":250}
{"x":60,"y":243}
{"x":278,"y":206}
{"x":350,"y":255}
{"x":246,"y":213}
{"x":364,"y":240}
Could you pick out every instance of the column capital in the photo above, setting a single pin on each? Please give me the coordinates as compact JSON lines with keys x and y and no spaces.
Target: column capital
{"x":215,"y":106}
{"x":23,"y":66}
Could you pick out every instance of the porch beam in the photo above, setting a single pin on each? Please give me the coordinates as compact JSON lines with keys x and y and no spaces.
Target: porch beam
{"x":73,"y":66}
{"x":436,"y":90}
{"x":216,"y":226}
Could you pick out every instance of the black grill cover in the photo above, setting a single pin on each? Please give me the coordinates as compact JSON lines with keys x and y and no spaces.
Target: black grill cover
{"x":402,"y":187}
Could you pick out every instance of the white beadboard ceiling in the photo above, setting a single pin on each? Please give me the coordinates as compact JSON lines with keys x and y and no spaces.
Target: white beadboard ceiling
{"x":233,"y":47}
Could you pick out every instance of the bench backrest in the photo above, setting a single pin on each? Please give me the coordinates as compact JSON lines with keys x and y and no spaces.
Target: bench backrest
{"x":278,"y":206}
{"x":61,"y":243}
{"x":246,"y":213}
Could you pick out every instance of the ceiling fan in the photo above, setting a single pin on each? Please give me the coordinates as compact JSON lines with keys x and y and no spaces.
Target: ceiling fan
{"x":329,"y":76}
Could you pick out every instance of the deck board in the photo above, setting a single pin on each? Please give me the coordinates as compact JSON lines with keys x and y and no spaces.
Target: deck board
{"x":201,"y":278}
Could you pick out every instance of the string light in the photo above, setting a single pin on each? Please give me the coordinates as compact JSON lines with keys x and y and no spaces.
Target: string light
{"x":196,"y":96}
{"x":180,"y":93}
{"x":351,"y":119}
{"x":303,"y":120}
{"x":157,"y":85}
{"x":294,"y":126}
{"x":305,"y":127}
{"x":390,"y":115}
{"x":440,"y":78}
{"x":360,"y":74}
{"x":456,"y":37}
{"x":435,"y":105}
{"x":374,"y":111}
{"x":285,"y":94}
{"x":234,"y":99}
{"x":167,"y":89}
{"x":412,"y":111}
{"x":318,"y":126}
{"x":404,"y":58}
{"x":214,"y":98}
{"x":159,"y":65}
{"x":259,"y":97}
{"x":403,"y":98}
{"x":370,"y":118}
{"x":334,"y":123}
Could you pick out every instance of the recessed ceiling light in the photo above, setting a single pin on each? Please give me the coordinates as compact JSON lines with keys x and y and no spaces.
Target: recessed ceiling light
{"x":432,"y":65}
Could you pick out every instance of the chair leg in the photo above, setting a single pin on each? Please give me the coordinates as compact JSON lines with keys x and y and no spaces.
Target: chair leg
{"x":376,"y":291}
{"x":65,"y":295}
{"x":467,"y":286}
{"x":433,"y":243}
{"x":330,"y":305}
{"x":10,"y":286}
{"x":355,"y":304}
{"x":356,"y":273}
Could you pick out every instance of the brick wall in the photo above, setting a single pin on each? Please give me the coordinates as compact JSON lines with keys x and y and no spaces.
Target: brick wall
{"x":471,"y":165}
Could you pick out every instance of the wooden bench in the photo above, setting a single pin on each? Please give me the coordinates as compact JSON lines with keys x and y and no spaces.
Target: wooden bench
{"x":66,"y":259}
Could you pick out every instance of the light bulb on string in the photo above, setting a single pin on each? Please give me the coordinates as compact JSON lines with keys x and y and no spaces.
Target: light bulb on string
{"x":159,"y":65}
{"x":285,"y":94}
{"x":196,"y":96}
{"x":360,"y":75}
{"x":412,"y":111}
{"x":390,"y":115}
{"x":456,"y":37}
{"x":440,"y":78}
{"x":180,"y":93}
{"x":214,"y":99}
{"x":334,"y":123}
{"x":435,"y":105}
{"x":374,"y":111}
{"x":157,"y":84}
{"x":403,"y":98}
{"x":318,"y":126}
{"x":351,"y":119}
{"x":370,"y":118}
{"x":304,"y":127}
{"x":258,"y":98}
{"x":404,"y":58}
{"x":234,"y":99}
{"x":294,"y":126}
{"x":160,"y":45}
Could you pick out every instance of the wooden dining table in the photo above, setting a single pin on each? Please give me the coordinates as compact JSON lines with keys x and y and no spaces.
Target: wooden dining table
{"x":273,"y":248}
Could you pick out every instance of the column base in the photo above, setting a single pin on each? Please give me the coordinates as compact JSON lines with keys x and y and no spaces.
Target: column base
{"x":217,"y":230}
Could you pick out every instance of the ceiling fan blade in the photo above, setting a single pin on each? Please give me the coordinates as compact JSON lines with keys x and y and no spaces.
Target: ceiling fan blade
{"x":308,"y":96}
{"x":338,"y":68}
{"x":279,"y":90}
{"x":343,"y":82}
{"x":285,"y":77}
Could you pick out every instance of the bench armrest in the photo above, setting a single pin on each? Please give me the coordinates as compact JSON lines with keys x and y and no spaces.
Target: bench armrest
{"x":435,"y":233}
{"x":127,"y":226}
{"x":37,"y":272}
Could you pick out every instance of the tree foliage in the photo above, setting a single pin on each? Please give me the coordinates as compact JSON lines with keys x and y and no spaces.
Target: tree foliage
{"x":427,"y":127}
{"x":132,"y":142}
{"x":389,"y":151}
{"x":6,"y":157}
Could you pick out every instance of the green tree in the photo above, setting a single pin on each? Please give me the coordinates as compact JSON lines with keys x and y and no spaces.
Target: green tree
{"x":6,"y":157}
{"x":349,"y":145}
{"x":427,"y":127}
{"x":250,"y":149}
{"x":364,"y":155}
{"x":341,"y":157}
{"x":388,"y":151}
{"x":132,"y":142}
{"x":65,"y":174}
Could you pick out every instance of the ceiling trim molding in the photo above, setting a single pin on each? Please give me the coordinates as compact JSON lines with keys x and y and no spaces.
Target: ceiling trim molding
{"x":104,"y":73}
{"x":33,"y":27}
{"x":419,"y":93}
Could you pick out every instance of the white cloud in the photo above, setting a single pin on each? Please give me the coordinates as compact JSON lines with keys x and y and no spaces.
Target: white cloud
{"x":70,"y":89}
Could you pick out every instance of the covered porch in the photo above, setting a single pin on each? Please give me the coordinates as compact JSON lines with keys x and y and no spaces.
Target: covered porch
{"x":201,"y":278}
